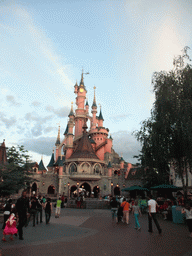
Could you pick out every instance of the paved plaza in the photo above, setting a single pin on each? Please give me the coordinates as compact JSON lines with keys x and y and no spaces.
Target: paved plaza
{"x":82,"y":232}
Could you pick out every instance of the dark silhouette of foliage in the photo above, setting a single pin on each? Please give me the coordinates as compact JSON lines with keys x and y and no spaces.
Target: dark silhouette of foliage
{"x":166,"y":136}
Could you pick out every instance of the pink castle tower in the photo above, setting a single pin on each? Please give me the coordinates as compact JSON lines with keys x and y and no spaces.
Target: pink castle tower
{"x":80,"y":112}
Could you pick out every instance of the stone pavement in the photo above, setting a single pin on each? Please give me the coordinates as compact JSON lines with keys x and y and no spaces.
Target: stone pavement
{"x":82,"y":232}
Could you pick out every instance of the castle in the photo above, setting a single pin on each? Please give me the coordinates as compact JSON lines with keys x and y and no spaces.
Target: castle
{"x":84,"y":158}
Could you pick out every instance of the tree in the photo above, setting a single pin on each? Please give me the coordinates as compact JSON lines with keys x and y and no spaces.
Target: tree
{"x":166,"y":136}
{"x":15,"y":174}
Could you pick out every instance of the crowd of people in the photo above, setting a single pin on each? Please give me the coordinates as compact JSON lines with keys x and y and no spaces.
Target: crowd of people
{"x":121,"y":208}
{"x":18,"y":215}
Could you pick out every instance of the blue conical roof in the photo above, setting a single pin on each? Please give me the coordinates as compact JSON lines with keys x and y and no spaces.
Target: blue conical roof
{"x":100,"y":117}
{"x":41,"y":166}
{"x":66,"y":130}
{"x":109,"y":165}
{"x":60,"y":161}
{"x":51,"y":163}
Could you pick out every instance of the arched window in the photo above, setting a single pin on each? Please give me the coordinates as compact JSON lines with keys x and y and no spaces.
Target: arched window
{"x":72,"y":168}
{"x":51,"y":190}
{"x":97,"y":169}
{"x":85,"y":168}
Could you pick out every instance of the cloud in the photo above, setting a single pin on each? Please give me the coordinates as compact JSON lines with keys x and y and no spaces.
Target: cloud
{"x":36,"y":103}
{"x":60,"y":112}
{"x":119,"y":118}
{"x":124,"y":142}
{"x":42,"y":145}
{"x":50,"y":129}
{"x":12,"y":100}
{"x":33,"y":116}
{"x":7,"y":121}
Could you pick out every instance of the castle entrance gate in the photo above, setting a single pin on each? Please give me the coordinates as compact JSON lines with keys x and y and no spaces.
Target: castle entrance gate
{"x":87,"y":187}
{"x":96,"y":191}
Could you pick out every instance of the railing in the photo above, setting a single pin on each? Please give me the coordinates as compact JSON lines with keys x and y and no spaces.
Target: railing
{"x":84,"y":174}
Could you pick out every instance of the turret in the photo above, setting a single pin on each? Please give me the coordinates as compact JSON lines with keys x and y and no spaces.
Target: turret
{"x":122,"y":162}
{"x":51,"y":162}
{"x":76,"y":88}
{"x":69,"y":135}
{"x":94,"y":111}
{"x":87,"y":107}
{"x":3,"y":155}
{"x":80,"y":112}
{"x":100,"y":119}
{"x":66,"y":131}
{"x":57,"y":144}
{"x":41,"y":166}
{"x":71,"y":114}
{"x":109,"y":167}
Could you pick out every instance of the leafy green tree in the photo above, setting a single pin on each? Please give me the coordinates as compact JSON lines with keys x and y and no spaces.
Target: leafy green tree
{"x":15,"y":174}
{"x":166,"y":136}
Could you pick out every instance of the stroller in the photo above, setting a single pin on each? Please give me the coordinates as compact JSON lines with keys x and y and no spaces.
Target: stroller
{"x":120,"y":214}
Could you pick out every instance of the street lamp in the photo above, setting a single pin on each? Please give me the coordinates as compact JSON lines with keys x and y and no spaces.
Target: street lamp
{"x":68,"y":184}
{"x":112,"y":188}
{"x":77,"y":188}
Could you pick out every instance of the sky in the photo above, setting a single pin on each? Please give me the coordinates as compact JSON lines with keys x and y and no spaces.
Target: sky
{"x":45,"y":44}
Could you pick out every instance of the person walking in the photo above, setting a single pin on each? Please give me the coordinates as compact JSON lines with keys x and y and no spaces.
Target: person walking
{"x":188,"y":213}
{"x":136,"y":211}
{"x":22,"y":207}
{"x":125,"y":206}
{"x":33,"y":210}
{"x":7,"y":211}
{"x":48,"y":210}
{"x":39,"y":209}
{"x":152,"y":204}
{"x":58,"y":208}
{"x":10,"y":228}
{"x":114,"y":208}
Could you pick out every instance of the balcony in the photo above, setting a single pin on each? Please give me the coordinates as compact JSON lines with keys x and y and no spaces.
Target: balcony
{"x":84,"y":176}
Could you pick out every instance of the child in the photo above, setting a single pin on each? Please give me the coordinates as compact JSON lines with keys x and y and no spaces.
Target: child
{"x":188,"y":213}
{"x":10,"y":228}
{"x":136,"y":211}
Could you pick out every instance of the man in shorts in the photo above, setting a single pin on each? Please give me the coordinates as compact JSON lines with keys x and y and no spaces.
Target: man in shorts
{"x":58,"y":208}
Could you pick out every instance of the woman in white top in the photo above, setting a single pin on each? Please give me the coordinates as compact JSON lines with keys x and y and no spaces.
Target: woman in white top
{"x":188,"y":213}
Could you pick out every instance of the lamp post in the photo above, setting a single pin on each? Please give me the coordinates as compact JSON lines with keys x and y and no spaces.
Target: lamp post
{"x":118,"y":188}
{"x":77,"y":188}
{"x":68,"y":184}
{"x":112,"y":188}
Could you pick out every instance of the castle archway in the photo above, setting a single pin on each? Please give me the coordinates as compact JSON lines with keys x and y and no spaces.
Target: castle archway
{"x":87,"y":187}
{"x":96,"y":191}
{"x":117,"y":191}
{"x":73,"y":188}
{"x":34,"y":188}
{"x":51,"y":190}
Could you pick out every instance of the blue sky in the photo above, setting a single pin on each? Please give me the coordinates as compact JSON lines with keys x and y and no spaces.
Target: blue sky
{"x":45,"y":44}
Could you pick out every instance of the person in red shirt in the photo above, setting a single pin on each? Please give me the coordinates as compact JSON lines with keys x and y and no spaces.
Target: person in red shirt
{"x":125,"y":206}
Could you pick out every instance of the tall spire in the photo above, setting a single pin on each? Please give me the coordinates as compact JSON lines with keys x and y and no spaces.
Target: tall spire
{"x":94,"y":100}
{"x":82,"y":80}
{"x":58,"y":137}
{"x":71,"y":112}
{"x":100,"y":115}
